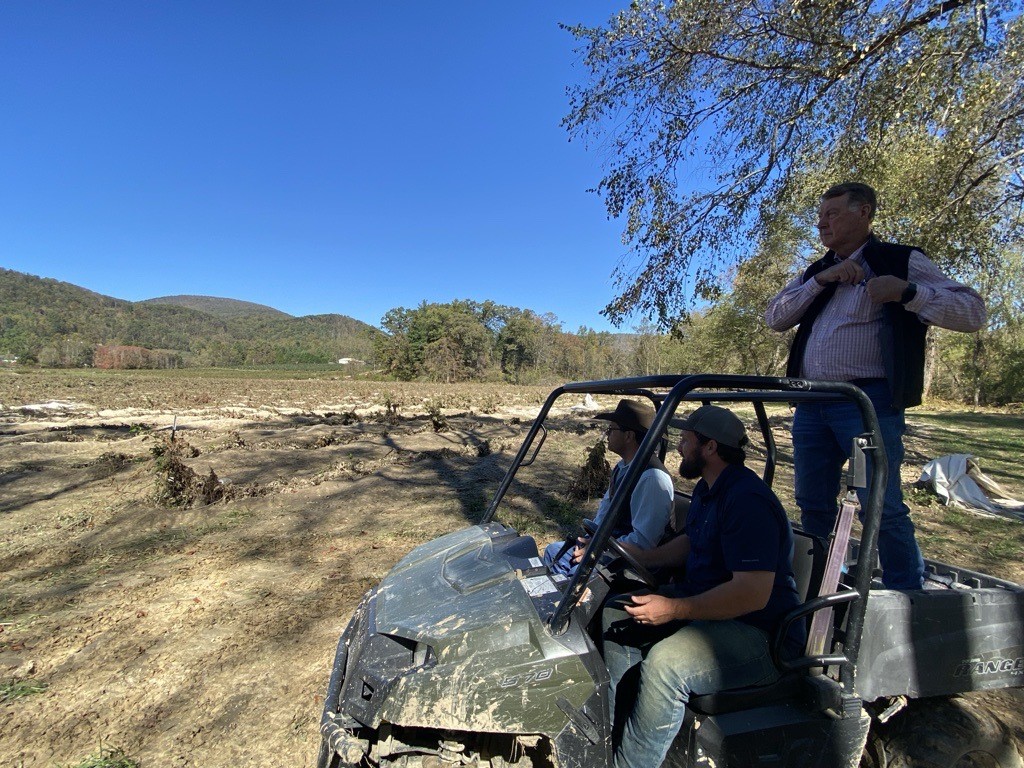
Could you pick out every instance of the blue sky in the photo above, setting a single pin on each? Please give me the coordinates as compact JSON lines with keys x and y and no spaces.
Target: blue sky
{"x":313,"y":156}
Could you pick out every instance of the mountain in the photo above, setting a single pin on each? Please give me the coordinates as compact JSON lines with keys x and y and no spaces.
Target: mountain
{"x":57,"y":323}
{"x":226,"y":309}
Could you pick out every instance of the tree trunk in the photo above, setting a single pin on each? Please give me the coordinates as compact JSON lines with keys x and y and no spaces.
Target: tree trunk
{"x":930,"y":361}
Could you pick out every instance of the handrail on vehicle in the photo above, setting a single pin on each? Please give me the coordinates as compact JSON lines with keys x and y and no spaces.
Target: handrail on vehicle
{"x":540,"y":444}
{"x":765,"y":389}
{"x":808,"y":608}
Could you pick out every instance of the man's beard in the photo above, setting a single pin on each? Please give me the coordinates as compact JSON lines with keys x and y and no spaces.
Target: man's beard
{"x":690,"y":469}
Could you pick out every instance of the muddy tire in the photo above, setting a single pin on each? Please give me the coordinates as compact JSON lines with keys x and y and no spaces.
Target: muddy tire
{"x":942,"y":733}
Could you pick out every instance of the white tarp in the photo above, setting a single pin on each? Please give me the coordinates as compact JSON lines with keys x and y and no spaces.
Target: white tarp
{"x":588,"y":404}
{"x":958,"y":479}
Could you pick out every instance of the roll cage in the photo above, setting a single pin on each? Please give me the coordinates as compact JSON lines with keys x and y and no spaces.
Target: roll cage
{"x":667,"y":393}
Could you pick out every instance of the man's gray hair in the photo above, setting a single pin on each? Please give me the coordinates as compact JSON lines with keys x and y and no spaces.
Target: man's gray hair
{"x":860,"y":194}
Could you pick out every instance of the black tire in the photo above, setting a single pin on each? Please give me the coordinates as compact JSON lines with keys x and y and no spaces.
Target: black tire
{"x":942,"y":733}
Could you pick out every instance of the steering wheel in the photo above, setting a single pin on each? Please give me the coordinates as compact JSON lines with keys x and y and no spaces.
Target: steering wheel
{"x":634,"y":565}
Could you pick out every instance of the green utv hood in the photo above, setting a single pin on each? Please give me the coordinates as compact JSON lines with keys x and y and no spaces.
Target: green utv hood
{"x":473,"y":599}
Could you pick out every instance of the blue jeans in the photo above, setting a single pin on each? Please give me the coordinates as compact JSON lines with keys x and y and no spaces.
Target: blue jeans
{"x":822,"y":437}
{"x":564,"y":564}
{"x":674,"y":661}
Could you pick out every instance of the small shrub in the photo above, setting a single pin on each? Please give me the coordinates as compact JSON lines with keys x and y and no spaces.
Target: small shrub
{"x":177,"y":483}
{"x":593,"y":477}
{"x":489,"y":404}
{"x":170,"y":444}
{"x":111,"y":463}
{"x":343,"y":419}
{"x":390,"y":409}
{"x":437,"y":418}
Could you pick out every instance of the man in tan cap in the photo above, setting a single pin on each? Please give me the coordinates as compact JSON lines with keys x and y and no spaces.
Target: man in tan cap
{"x":650,"y":504}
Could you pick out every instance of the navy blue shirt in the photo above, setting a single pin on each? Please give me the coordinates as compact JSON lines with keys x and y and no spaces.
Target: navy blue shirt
{"x":739,"y":525}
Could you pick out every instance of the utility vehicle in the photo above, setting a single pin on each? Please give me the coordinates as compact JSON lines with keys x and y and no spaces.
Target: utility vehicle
{"x":470,"y":653}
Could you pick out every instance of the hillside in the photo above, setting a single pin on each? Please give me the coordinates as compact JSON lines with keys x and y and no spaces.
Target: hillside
{"x":56,"y":323}
{"x":226,"y":309}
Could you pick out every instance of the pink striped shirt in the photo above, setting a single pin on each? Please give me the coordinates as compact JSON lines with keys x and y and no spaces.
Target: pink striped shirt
{"x":843,"y":344}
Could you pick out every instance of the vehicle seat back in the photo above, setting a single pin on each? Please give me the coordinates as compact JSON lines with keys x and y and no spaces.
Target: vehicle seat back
{"x":680,"y":506}
{"x":809,"y":558}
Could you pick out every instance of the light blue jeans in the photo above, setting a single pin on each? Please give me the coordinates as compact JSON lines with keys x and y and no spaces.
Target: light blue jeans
{"x":822,"y":436}
{"x":564,"y":564}
{"x":674,"y":661}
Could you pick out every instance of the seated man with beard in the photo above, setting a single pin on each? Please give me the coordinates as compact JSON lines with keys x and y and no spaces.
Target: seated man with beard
{"x":711,"y":631}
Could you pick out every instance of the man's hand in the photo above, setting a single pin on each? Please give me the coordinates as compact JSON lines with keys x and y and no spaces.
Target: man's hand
{"x":654,"y":609}
{"x":846,"y":271}
{"x":886,"y":288}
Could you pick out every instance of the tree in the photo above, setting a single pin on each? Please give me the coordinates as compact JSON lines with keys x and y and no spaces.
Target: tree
{"x":986,"y":368}
{"x":392,"y":348}
{"x":647,"y":352}
{"x":736,"y":325}
{"x":443,"y":342}
{"x":518,"y":345}
{"x":725,"y":119}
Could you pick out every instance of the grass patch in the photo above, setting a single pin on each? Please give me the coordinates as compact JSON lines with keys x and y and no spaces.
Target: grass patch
{"x":563,"y":512}
{"x":474,"y":502}
{"x":108,"y":758}
{"x":994,"y":438}
{"x":20,"y":689}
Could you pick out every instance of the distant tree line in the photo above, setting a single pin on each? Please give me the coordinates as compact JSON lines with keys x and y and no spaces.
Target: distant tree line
{"x":54,"y":324}
{"x":468,"y":340}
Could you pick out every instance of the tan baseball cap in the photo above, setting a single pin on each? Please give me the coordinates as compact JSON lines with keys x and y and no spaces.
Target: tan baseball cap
{"x":720,"y":424}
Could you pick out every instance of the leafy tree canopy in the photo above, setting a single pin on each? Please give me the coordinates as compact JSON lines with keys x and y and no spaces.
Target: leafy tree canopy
{"x":461,"y":340}
{"x":724,"y":122}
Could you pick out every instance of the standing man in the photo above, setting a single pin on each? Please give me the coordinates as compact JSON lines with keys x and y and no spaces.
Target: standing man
{"x":650,"y":505}
{"x":863,"y":310}
{"x":712,"y":631}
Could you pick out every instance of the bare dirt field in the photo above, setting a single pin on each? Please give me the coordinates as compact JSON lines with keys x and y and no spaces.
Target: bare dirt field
{"x":181,"y":602}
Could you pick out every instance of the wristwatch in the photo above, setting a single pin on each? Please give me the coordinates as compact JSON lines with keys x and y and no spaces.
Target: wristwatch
{"x":908,"y":293}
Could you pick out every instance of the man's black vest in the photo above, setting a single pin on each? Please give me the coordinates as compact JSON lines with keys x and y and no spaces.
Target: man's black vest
{"x":902,"y":337}
{"x":624,"y":525}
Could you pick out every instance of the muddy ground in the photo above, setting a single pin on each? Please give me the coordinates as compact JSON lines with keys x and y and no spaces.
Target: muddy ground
{"x":137,"y":616}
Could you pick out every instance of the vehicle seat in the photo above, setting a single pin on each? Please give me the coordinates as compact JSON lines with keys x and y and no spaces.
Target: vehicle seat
{"x":810,"y":555}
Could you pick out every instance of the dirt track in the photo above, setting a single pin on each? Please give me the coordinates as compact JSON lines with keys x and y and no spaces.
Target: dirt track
{"x":204,"y":636}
